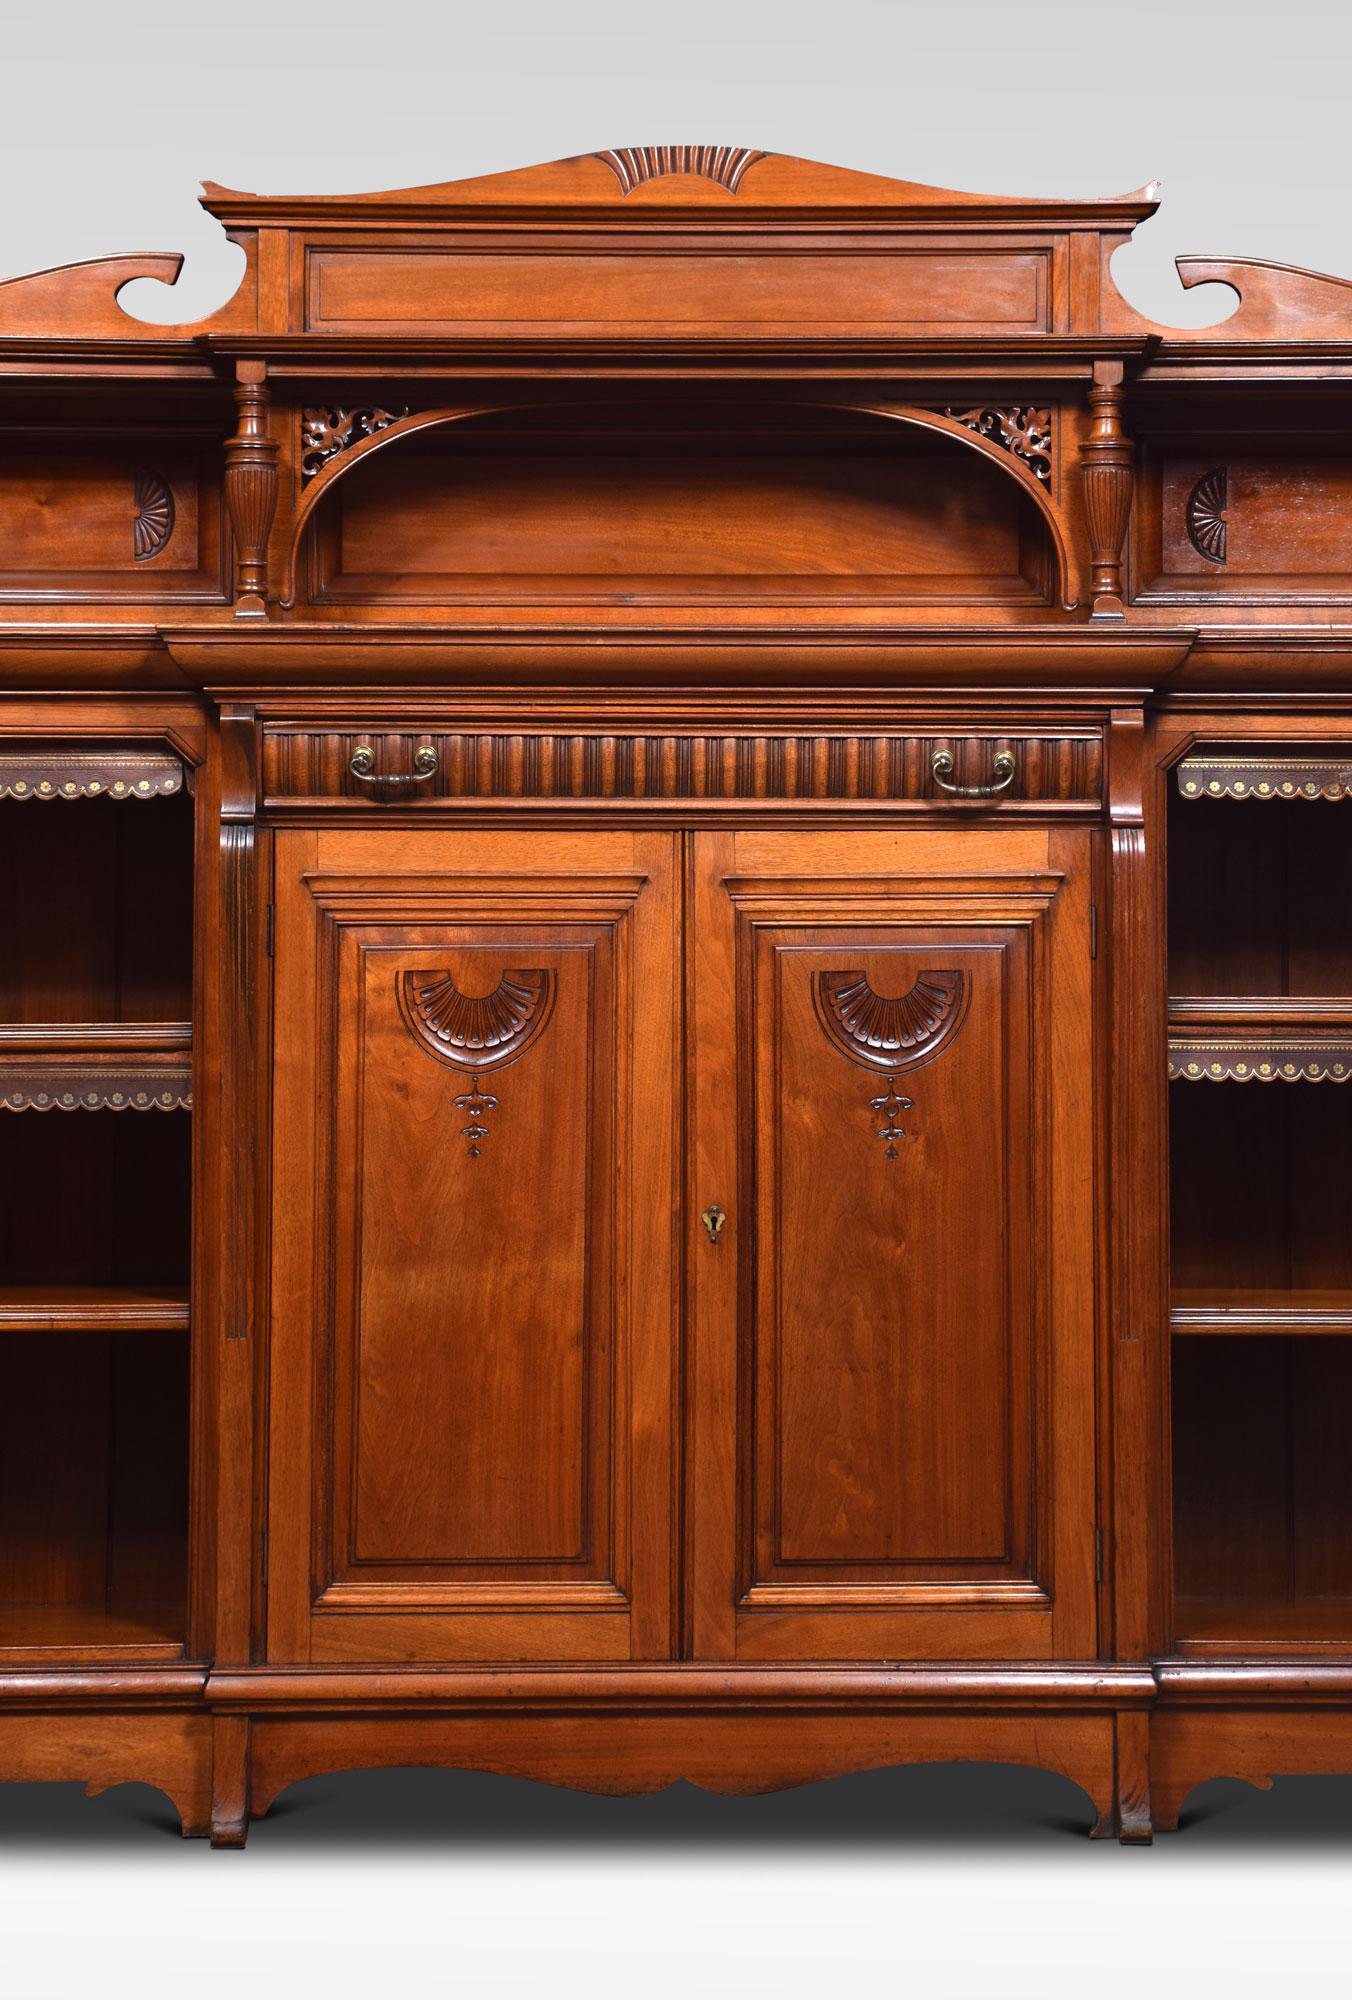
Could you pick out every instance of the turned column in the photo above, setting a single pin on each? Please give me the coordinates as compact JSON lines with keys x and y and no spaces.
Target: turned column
{"x":251,"y":488}
{"x":1106,"y":459}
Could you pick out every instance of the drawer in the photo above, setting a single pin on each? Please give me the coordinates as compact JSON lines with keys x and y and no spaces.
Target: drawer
{"x":972,"y":769}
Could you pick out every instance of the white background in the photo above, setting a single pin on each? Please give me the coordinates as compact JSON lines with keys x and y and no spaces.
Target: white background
{"x":957,"y":1884}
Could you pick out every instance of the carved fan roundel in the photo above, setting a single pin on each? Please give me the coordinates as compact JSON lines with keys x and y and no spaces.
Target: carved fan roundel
{"x":892,"y":1035}
{"x":476,"y":1032}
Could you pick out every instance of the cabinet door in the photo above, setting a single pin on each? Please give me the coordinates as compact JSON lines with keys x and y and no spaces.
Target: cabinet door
{"x":472,"y":1303}
{"x":894,"y":1332}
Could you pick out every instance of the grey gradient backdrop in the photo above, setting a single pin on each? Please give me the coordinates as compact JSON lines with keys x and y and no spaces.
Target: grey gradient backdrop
{"x":110,"y":115}
{"x":923,"y":1884}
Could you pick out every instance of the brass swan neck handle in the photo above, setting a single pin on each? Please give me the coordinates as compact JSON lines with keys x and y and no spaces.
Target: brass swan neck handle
{"x":362,"y":765}
{"x":1002,"y":770}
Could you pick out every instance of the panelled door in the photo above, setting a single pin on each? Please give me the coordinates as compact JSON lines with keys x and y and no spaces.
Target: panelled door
{"x":473,"y":1297}
{"x":487,"y":1441}
{"x":892,"y":1417}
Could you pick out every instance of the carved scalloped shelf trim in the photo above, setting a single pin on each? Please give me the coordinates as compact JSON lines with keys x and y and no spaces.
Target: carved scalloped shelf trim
{"x":96,"y":1066}
{"x":47,"y":772}
{"x":1193,"y":1060}
{"x":1265,"y":778}
{"x":43,"y":1089}
{"x":632,"y":166}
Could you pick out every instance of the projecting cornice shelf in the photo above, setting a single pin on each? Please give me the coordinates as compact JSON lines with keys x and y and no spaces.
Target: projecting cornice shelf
{"x":96,"y":1066}
{"x":1262,"y":1039}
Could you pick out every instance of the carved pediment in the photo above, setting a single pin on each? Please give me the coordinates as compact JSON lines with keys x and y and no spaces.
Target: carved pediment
{"x":1025,"y":242}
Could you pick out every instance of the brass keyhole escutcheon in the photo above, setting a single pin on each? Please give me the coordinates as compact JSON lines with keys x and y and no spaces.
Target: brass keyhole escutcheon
{"x":713,"y":1219}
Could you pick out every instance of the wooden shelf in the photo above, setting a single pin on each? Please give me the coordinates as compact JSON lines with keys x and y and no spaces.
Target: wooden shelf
{"x":1217,"y":1311}
{"x":93,"y":1308}
{"x":96,"y":1066}
{"x":1234,"y":1624}
{"x":150,"y":1630}
{"x":1260,"y":1038}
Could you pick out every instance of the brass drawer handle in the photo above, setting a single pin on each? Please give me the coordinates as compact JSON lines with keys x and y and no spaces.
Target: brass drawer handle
{"x":363,"y":767}
{"x":941,"y":764}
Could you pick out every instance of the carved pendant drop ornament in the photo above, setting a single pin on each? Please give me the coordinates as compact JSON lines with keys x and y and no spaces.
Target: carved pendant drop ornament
{"x":892,"y":1035}
{"x":476,"y":1032}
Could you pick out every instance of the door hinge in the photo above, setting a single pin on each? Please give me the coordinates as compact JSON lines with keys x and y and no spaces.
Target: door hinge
{"x":263,"y":1558}
{"x":270,"y":932}
{"x":1098,"y":1555}
{"x":1093,"y":930}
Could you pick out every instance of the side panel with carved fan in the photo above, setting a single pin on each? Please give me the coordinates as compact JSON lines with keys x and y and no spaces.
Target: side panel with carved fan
{"x":473,"y":1320}
{"x":901,"y":1308}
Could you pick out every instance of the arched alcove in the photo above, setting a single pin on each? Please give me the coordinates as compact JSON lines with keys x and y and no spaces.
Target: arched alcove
{"x":651,"y":500}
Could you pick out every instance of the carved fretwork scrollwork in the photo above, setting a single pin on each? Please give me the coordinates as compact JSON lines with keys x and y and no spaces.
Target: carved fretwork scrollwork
{"x":326,"y":432}
{"x":1022,"y":429}
{"x":476,"y":1032}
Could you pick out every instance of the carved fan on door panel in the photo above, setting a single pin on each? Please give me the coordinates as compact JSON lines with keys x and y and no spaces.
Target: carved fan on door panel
{"x":891,"y":1035}
{"x":476,"y":1032}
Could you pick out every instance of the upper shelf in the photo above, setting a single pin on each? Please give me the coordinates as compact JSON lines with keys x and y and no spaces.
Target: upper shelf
{"x":96,"y":1066}
{"x":93,"y":1308}
{"x":1260,"y":1038}
{"x":89,"y":771}
{"x":1234,"y":1310}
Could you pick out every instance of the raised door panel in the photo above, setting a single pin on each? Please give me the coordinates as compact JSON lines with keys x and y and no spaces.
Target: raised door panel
{"x":476,"y":1048}
{"x":900,"y":1335}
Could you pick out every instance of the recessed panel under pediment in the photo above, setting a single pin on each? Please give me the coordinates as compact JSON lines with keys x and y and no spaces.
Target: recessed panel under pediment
{"x":664,"y":501}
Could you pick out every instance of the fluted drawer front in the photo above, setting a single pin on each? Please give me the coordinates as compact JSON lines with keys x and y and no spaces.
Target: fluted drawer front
{"x":648,"y":766}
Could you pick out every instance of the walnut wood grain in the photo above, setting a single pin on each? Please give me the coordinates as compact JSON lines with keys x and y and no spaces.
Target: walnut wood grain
{"x":670,"y":511}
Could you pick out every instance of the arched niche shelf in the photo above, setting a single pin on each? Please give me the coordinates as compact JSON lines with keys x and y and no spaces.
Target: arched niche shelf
{"x":818,"y":477}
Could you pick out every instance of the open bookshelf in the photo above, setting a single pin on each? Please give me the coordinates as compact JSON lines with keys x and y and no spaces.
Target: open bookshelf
{"x":1260,"y":1045}
{"x":96,"y":872}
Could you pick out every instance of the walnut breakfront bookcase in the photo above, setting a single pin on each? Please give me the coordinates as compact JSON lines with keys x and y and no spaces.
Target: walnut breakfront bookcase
{"x":675,"y":998}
